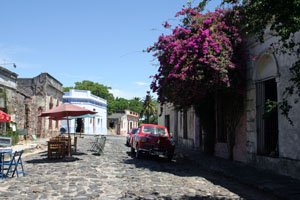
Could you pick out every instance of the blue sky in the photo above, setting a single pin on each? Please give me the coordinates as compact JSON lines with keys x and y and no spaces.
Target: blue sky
{"x":76,"y":40}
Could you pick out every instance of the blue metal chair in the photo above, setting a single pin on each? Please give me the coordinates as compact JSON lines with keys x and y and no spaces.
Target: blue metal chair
{"x":4,"y":162}
{"x":14,"y":163}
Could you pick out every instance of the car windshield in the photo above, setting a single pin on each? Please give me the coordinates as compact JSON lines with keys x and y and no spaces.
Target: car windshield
{"x":134,"y":131}
{"x":154,"y":130}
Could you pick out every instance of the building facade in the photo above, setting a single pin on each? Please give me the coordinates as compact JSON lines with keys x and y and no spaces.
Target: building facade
{"x":8,"y":90}
{"x":25,"y":98}
{"x":121,"y":122}
{"x":92,"y":126}
{"x":34,"y":96}
{"x":271,"y":142}
{"x":268,"y":143}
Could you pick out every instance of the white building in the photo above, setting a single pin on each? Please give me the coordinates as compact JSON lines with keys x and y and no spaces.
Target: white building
{"x":84,"y":98}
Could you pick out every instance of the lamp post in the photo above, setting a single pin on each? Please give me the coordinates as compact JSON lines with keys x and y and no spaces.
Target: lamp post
{"x":13,"y":64}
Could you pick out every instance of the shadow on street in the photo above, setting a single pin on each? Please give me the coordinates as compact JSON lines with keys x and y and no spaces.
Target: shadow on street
{"x":185,"y":168}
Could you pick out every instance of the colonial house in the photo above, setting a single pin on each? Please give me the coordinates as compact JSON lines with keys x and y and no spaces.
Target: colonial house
{"x":268,"y":143}
{"x":121,"y":122}
{"x":94,"y":125}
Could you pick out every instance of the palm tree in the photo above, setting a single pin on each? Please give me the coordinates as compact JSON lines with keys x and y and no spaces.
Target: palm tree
{"x":149,"y":107}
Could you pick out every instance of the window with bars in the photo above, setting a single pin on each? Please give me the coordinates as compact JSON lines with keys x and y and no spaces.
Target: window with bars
{"x":167,"y":122}
{"x":221,"y":126}
{"x":185,"y":128}
{"x":267,"y":126}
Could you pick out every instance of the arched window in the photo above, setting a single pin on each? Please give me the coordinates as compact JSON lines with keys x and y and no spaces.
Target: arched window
{"x":266,"y":72}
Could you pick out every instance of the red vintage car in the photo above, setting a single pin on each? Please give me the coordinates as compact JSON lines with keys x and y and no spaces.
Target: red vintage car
{"x":152,"y":139}
{"x":130,"y":135}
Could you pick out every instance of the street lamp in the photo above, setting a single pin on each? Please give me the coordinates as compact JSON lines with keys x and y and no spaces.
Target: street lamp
{"x":13,"y":64}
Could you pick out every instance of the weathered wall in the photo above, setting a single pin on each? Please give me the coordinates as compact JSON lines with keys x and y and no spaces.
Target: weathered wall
{"x":239,"y":150}
{"x":38,"y":92}
{"x":288,"y":161}
{"x":176,"y":125}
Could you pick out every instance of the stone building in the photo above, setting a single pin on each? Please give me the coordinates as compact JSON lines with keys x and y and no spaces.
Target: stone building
{"x":8,"y":88}
{"x":35,"y":95}
{"x":121,"y":122}
{"x":269,"y":143}
{"x":84,"y":98}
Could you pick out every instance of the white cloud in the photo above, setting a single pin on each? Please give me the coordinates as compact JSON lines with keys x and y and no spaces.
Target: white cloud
{"x":141,"y":83}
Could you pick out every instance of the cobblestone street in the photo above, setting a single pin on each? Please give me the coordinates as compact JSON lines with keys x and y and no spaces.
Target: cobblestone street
{"x":119,"y":175}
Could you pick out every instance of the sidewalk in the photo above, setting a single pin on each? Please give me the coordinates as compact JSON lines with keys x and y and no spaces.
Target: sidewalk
{"x":283,"y":187}
{"x":30,"y":146}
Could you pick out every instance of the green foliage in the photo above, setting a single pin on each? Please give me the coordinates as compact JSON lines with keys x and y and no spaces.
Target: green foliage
{"x":270,"y":106}
{"x":149,"y":109}
{"x":136,"y":105}
{"x":113,"y":104}
{"x":95,"y":88}
{"x":67,"y":89}
{"x":120,"y":104}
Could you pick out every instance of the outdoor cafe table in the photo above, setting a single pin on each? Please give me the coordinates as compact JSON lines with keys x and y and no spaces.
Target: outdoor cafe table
{"x":2,"y":157}
{"x":65,"y":143}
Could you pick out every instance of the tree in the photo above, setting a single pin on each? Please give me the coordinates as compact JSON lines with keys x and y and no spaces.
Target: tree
{"x":120,"y":104}
{"x":113,"y":104}
{"x":96,"y":89}
{"x":149,"y":109}
{"x":67,"y":89}
{"x":201,"y":58}
{"x":136,"y":105}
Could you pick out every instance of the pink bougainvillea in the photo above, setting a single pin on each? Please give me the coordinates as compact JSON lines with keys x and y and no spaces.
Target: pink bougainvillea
{"x":197,"y":57}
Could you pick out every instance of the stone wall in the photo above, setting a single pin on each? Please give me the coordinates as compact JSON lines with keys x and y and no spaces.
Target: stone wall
{"x":38,"y":93}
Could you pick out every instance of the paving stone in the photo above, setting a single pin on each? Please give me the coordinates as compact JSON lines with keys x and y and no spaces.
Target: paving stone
{"x":119,"y":175}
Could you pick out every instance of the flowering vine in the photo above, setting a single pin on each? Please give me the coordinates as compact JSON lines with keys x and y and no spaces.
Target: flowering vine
{"x":200,"y":56}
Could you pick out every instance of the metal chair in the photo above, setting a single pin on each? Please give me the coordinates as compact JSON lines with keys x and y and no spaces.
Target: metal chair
{"x":94,"y":143}
{"x":4,"y":162}
{"x":100,"y":145}
{"x":14,"y":163}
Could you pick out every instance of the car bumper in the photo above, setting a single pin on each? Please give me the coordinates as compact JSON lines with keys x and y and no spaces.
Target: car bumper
{"x":157,"y":150}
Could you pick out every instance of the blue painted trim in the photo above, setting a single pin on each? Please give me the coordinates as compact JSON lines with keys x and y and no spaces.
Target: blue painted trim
{"x":84,"y":100}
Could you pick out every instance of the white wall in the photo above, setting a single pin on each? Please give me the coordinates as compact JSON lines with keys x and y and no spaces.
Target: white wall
{"x":89,"y":128}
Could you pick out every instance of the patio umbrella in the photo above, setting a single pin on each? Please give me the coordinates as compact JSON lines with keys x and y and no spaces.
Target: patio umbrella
{"x":4,"y":117}
{"x":66,"y":110}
